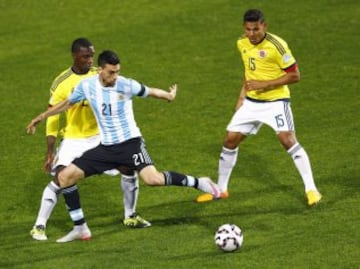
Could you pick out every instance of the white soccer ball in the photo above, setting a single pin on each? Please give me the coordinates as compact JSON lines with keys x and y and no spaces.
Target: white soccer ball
{"x":229,"y":237}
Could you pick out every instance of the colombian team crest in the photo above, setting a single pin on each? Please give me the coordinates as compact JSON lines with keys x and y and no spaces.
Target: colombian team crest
{"x":262,"y":53}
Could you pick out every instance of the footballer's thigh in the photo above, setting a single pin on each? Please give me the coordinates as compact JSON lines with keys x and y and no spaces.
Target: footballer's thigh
{"x":281,"y":120}
{"x":70,"y":175}
{"x":278,"y":116}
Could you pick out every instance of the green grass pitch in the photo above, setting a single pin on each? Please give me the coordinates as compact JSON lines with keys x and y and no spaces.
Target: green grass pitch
{"x":192,"y":43}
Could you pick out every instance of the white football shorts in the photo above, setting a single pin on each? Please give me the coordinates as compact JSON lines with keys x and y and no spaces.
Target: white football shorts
{"x":249,"y":118}
{"x":70,"y":148}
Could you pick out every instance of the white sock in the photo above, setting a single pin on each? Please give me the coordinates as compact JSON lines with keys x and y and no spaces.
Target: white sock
{"x":227,"y":162}
{"x":48,"y":202}
{"x":130,"y":188}
{"x":302,"y":163}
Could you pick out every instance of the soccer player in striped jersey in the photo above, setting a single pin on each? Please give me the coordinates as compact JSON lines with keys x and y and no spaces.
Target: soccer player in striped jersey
{"x":79,"y":134}
{"x":110,"y":97}
{"x":264,"y":99}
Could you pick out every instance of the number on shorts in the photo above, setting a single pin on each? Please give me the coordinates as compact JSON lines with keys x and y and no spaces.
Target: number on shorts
{"x":138,"y":158}
{"x":279,"y":120}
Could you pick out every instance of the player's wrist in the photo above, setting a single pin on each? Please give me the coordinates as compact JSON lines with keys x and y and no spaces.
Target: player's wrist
{"x":170,"y":96}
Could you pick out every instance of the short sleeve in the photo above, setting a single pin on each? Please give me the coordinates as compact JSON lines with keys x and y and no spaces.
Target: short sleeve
{"x":77,"y":95}
{"x":138,"y":89}
{"x":285,"y":59}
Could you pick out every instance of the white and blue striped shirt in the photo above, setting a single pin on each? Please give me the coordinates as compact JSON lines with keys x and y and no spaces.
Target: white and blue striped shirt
{"x":112,"y":106}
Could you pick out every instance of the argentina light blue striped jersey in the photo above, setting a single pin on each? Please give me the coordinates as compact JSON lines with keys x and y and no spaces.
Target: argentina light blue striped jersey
{"x":112,"y":106}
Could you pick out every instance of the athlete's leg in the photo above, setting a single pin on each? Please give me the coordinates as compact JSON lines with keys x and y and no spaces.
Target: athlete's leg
{"x":227,"y":161}
{"x":243,"y":123}
{"x":68,"y":177}
{"x":48,"y":201}
{"x":130,"y":186}
{"x":302,"y":163}
{"x":47,"y":204}
{"x":300,"y":158}
{"x":228,"y":158}
{"x":152,"y":177}
{"x":68,"y":150}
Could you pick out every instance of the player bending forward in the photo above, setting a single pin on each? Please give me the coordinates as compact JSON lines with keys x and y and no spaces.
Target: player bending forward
{"x":110,"y":97}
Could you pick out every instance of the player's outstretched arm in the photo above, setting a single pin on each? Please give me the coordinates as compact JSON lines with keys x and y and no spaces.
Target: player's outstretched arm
{"x":162,"y":94}
{"x":58,"y":108}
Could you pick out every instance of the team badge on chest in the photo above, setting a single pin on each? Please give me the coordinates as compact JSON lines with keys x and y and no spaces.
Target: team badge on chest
{"x":262,"y":53}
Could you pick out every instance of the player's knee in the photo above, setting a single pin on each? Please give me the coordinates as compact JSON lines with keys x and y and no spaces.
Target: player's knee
{"x":232,"y":140}
{"x":63,"y":180}
{"x":70,"y":175}
{"x":58,"y":170}
{"x":287,"y":139}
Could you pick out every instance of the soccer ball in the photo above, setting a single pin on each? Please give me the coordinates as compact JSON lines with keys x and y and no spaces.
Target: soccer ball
{"x":229,"y":237}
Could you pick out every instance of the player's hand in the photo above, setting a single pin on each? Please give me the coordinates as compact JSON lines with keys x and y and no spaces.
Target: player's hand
{"x":31,"y":128}
{"x":172,"y":92}
{"x":48,"y":163}
{"x":253,"y":85}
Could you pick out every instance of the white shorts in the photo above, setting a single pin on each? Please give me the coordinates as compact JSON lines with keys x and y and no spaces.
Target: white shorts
{"x":249,"y":118}
{"x":70,"y":148}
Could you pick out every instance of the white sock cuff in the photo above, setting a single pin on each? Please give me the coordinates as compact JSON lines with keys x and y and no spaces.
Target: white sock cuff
{"x":295,"y":148}
{"x":54,"y":187}
{"x":229,"y":151}
{"x":128,"y":178}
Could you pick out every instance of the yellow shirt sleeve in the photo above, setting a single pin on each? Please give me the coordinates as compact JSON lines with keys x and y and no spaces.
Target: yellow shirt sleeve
{"x":52,"y":125}
{"x":57,"y":94}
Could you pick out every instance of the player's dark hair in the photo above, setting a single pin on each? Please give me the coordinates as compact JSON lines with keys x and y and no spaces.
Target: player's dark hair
{"x":254,"y":15}
{"x":80,"y":43}
{"x":108,"y":57}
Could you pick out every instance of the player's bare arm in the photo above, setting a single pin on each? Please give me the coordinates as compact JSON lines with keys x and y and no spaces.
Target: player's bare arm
{"x":50,"y":154}
{"x":52,"y":128}
{"x":241,"y":98}
{"x":58,"y":108}
{"x":288,"y":78}
{"x":162,"y":94}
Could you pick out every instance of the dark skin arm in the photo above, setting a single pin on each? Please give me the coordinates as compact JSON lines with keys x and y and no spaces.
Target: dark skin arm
{"x":50,"y":140}
{"x":57,"y":109}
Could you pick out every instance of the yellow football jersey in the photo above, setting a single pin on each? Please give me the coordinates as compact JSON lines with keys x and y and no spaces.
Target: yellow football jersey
{"x":267,"y":60}
{"x":80,"y":120}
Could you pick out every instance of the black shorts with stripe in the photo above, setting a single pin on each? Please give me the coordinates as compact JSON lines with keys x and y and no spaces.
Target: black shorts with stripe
{"x":132,"y":154}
